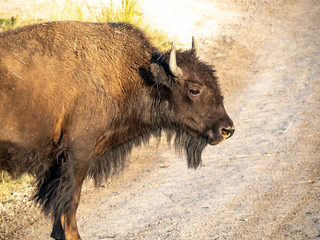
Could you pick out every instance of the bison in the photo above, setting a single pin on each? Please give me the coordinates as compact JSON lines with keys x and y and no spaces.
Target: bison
{"x":76,"y":97}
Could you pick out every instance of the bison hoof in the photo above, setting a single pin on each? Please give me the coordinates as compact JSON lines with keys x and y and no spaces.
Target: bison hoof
{"x":57,"y":232}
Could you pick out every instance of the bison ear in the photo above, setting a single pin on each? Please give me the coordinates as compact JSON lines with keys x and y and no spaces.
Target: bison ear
{"x":159,"y":75}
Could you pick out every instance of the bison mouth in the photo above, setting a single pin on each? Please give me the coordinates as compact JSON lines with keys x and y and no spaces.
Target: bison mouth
{"x":215,"y":137}
{"x":194,"y":142}
{"x":212,"y":137}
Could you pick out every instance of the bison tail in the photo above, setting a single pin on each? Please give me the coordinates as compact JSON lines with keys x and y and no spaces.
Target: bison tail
{"x":55,"y":186}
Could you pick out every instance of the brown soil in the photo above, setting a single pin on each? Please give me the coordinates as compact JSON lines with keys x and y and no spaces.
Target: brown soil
{"x":264,"y":182}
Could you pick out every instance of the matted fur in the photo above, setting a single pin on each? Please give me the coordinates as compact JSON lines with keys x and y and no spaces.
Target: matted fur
{"x":55,"y":186}
{"x":113,"y":160}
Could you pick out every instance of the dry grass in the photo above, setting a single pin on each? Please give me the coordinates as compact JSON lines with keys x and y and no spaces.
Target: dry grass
{"x":11,"y":188}
{"x":112,"y":11}
{"x":106,"y":11}
{"x":6,"y":24}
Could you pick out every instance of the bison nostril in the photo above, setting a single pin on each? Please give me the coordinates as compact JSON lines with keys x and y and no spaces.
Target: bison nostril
{"x":228,"y":132}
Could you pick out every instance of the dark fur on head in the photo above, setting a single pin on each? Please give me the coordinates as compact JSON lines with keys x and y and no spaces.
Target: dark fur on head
{"x":152,"y":106}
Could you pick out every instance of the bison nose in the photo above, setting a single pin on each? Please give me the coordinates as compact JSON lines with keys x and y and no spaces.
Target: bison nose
{"x":227,"y":132}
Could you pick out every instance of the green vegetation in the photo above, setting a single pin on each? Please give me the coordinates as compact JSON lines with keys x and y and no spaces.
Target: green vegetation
{"x":111,"y":11}
{"x":128,"y":12}
{"x":10,"y":185}
{"x":6,"y":24}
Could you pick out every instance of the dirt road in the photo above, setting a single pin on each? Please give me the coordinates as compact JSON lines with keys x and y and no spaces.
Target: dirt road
{"x":264,"y":182}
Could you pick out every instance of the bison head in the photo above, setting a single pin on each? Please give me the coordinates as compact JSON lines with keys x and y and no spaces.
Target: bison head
{"x":193,"y":101}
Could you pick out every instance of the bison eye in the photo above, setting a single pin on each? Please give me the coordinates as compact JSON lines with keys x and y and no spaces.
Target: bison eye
{"x":194,"y":92}
{"x":194,"y":87}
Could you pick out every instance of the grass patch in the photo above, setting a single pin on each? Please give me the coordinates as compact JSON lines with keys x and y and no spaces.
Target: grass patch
{"x":111,"y":11}
{"x":128,"y":11}
{"x":6,"y":24}
{"x":11,"y":188}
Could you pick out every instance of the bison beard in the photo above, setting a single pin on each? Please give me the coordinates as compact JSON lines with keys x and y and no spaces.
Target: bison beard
{"x":113,"y":160}
{"x":194,"y":148}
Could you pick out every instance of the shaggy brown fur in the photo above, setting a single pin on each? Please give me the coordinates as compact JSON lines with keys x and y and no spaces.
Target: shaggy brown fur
{"x":76,"y":97}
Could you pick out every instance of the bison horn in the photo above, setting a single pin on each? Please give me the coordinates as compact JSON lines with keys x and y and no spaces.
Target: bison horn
{"x":194,"y":45}
{"x":174,"y":69}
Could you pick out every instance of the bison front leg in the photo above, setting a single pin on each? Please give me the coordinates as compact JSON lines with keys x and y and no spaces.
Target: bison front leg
{"x":69,"y":221}
{"x":66,"y":228}
{"x":59,"y":187}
